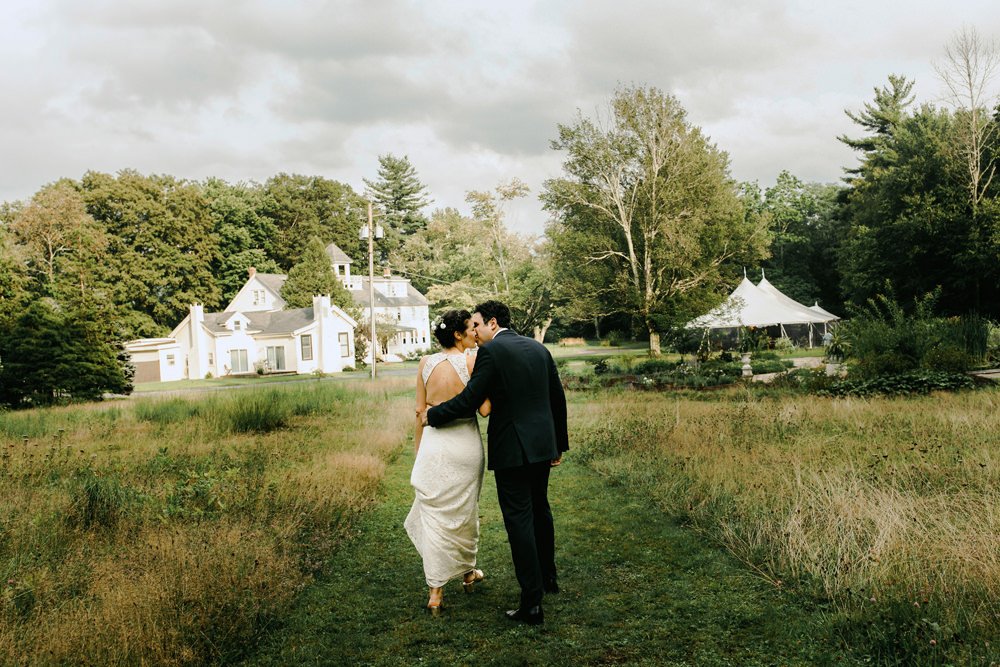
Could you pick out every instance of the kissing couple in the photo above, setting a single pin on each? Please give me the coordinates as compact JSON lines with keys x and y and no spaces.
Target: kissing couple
{"x":485,"y":366}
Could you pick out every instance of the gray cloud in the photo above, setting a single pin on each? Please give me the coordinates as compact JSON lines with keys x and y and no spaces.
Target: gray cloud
{"x":471,"y":91}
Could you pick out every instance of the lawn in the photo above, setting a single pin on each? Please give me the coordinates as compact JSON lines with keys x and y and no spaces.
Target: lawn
{"x":638,"y":588}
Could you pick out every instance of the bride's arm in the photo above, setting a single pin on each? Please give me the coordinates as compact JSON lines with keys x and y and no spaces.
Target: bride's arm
{"x":421,"y":405}
{"x":486,"y":407}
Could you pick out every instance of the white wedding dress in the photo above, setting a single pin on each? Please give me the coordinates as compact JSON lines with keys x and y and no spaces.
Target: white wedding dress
{"x":447,"y":478}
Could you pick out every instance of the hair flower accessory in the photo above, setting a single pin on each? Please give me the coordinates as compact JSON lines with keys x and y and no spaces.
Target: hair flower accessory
{"x":441,"y":326}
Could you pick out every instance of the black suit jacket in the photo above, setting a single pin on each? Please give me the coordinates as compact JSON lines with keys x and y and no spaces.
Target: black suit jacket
{"x":528,"y":418}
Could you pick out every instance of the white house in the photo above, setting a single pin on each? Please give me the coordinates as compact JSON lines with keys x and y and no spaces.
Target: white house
{"x":397,"y":303}
{"x":256,"y":330}
{"x":234,"y":342}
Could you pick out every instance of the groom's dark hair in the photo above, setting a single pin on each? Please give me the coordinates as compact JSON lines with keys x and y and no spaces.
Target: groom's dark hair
{"x":491,"y":309}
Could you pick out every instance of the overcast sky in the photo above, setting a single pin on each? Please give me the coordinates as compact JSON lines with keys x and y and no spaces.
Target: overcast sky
{"x":471,"y":91}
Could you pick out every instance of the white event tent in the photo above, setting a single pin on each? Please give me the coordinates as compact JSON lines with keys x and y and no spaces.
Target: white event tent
{"x":762,"y":305}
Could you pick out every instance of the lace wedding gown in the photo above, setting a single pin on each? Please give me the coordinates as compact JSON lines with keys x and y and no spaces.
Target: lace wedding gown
{"x":447,"y":476}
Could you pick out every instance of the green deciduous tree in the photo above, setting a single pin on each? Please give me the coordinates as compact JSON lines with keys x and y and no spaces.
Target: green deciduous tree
{"x":61,"y":246}
{"x":243,"y":232}
{"x":647,"y":196}
{"x":313,"y":275}
{"x":805,"y":233}
{"x":12,"y":273}
{"x":303,"y":207}
{"x":161,"y":247}
{"x":489,"y":210}
{"x":449,"y":261}
{"x":458,"y":261}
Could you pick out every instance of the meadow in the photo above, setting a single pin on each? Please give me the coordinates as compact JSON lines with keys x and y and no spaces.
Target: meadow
{"x":261,"y":523}
{"x":176,"y":531}
{"x":889,"y":508}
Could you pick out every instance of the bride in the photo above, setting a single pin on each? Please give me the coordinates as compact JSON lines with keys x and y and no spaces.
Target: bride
{"x":443,"y":523}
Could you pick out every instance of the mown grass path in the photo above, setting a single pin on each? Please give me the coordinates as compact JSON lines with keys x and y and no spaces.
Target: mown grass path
{"x":638,"y":589}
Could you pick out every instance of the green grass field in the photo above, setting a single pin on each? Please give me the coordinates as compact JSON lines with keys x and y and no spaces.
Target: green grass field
{"x":705,"y":528}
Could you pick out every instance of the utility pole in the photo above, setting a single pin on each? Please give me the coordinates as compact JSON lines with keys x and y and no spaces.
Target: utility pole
{"x":371,"y":232}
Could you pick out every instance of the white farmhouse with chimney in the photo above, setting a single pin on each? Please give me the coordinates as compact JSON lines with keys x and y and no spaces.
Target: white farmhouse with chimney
{"x":256,"y":331}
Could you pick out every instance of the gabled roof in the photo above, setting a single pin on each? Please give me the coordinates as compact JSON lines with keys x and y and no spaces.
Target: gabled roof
{"x":412,"y":298}
{"x":263,"y":322}
{"x":272,"y":281}
{"x":336,"y":255}
{"x":281,"y":321}
{"x":268,"y":323}
{"x":216,"y":322}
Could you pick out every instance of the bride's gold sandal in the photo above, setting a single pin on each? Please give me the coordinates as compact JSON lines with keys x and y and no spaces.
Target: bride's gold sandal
{"x":434,"y":609}
{"x":470,"y":584}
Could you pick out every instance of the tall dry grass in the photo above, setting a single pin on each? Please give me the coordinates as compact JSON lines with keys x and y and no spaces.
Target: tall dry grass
{"x":177,"y":531}
{"x":890,"y":507}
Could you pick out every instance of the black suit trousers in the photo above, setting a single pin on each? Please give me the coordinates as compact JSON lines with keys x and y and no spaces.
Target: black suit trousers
{"x":524,"y":503}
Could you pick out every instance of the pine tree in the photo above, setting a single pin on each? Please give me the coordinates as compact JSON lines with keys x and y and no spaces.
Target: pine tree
{"x":399,"y":195}
{"x":52,"y":356}
{"x":880,"y":117}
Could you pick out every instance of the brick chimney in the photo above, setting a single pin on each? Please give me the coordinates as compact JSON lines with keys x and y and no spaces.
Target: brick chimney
{"x":386,"y":273}
{"x":252,"y":271}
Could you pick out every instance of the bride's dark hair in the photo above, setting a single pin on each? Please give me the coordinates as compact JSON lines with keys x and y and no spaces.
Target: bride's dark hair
{"x":450,"y":322}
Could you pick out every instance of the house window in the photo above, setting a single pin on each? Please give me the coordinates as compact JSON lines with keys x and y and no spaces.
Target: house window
{"x":399,"y":315}
{"x":345,"y":348}
{"x":238,"y":361}
{"x":258,"y":297}
{"x":211,"y":359}
{"x":236,"y":325}
{"x":276,"y":358}
{"x":170,"y":360}
{"x":307,"y":348}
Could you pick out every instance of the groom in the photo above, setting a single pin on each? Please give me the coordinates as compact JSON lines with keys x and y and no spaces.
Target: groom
{"x":527,"y":435}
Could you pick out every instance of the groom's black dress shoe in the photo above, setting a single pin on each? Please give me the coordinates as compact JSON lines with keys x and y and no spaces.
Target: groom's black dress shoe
{"x":531,"y":616}
{"x":551,"y":585}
